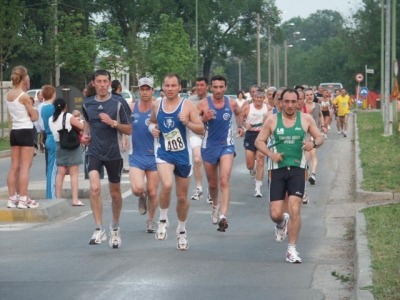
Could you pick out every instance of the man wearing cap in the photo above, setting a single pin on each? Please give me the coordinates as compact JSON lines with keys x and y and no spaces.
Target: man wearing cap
{"x":142,"y":161}
{"x":171,"y":120}
{"x":254,"y":115}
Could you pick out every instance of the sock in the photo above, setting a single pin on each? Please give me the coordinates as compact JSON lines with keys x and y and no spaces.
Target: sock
{"x":258,"y":183}
{"x":291,"y":247}
{"x":163,"y":214}
{"x":221,"y":217}
{"x":23,"y":198}
{"x":200,"y":188}
{"x":215,"y":206}
{"x":181,"y":227}
{"x":115,"y":225}
{"x":281,"y":224}
{"x":99,"y":227}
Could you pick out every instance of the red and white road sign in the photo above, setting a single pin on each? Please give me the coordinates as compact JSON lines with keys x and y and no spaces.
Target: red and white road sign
{"x":359,"y":77}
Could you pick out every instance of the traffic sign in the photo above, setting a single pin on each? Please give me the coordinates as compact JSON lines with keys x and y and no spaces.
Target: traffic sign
{"x":364,"y":91}
{"x":359,"y":77}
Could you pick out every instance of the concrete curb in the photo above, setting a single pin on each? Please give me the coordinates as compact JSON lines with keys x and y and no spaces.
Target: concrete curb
{"x":362,"y":261}
{"x":47,"y":210}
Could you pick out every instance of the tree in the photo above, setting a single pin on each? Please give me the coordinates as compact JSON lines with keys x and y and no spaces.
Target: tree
{"x":171,"y":51}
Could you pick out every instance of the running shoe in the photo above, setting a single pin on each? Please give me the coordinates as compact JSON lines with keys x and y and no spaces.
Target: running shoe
{"x":345,"y":134}
{"x":209,"y":200}
{"x":222,"y":225}
{"x":98,"y":237}
{"x":311,"y":179}
{"x":142,"y":204}
{"x":306,"y":200}
{"x":280,"y":233}
{"x":215,"y":214}
{"x":339,"y":132}
{"x":257,"y":193}
{"x":12,"y":202}
{"x":150,"y":226}
{"x":293,"y":257}
{"x":161,"y":232}
{"x":197,"y":194}
{"x":182,"y":243}
{"x":115,"y":238}
{"x":28,"y":203}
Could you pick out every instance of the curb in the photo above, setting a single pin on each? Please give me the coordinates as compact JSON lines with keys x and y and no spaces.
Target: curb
{"x":47,"y":210}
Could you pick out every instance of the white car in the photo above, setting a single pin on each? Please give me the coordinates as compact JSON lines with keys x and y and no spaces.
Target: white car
{"x":34,"y":94}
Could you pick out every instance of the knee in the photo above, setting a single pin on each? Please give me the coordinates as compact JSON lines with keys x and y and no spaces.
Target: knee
{"x":137,"y":191}
{"x":152,"y":193}
{"x":198,"y":160}
{"x":212,"y":184}
{"x":224,"y":182}
{"x":95,"y":189}
{"x":166,"y":187}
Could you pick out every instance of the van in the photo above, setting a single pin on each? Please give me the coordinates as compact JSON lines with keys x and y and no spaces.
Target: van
{"x":331,"y":86}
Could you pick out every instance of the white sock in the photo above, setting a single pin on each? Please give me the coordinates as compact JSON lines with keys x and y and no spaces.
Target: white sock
{"x":181,"y":227}
{"x":258,"y":183}
{"x":163,"y":214}
{"x":200,"y":188}
{"x":221,"y":217}
{"x":291,"y":247}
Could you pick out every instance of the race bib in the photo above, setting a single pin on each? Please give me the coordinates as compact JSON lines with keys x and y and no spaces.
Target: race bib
{"x":173,"y":141}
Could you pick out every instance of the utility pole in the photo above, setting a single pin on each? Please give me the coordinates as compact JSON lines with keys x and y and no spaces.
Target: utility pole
{"x":197,"y":40}
{"x":269,"y":55}
{"x":258,"y":52}
{"x":388,"y":130}
{"x":57,"y":65}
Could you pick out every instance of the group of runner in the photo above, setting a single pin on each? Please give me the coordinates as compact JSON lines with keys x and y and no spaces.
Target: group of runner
{"x":168,"y":133}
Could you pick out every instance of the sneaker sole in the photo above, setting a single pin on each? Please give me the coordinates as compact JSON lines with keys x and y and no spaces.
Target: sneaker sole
{"x":311,"y":181}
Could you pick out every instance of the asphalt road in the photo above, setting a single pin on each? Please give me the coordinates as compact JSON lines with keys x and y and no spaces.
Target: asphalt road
{"x":53,"y":260}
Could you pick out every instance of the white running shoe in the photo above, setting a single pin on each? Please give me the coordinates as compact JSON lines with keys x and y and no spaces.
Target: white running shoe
{"x":293,"y":257}
{"x":98,"y":237}
{"x":12,"y":202}
{"x":209,"y":200}
{"x":150,"y":226}
{"x":339,"y":132}
{"x":182,"y":243}
{"x":197,"y":194}
{"x":27,"y":203}
{"x":257,"y":193}
{"x":215,"y":215}
{"x":115,"y":238}
{"x":311,"y":179}
{"x":161,"y":232}
{"x":306,"y":200}
{"x":253,"y":172}
{"x":280,"y":233}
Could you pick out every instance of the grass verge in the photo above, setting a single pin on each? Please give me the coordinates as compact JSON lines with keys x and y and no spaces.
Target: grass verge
{"x":380,"y":174}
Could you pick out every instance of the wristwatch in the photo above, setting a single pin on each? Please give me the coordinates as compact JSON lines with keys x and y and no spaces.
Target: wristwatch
{"x":115,"y":124}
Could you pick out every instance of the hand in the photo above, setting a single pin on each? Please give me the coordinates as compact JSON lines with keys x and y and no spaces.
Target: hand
{"x":208,"y":115}
{"x":277,"y":157}
{"x":240,"y":132}
{"x":106,"y":119}
{"x":155,"y":132}
{"x":85,"y":139}
{"x":324,"y":129}
{"x":308,"y":146}
{"x":183,"y":118}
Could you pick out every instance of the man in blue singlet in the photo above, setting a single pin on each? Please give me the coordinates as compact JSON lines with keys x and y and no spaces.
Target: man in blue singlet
{"x":106,"y":120}
{"x":218,"y":147}
{"x":142,"y":160}
{"x":288,"y":131}
{"x":171,"y":120}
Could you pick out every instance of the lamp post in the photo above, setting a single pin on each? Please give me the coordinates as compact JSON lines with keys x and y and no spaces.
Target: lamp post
{"x":258,"y":52}
{"x":286,"y":59}
{"x":240,"y":70}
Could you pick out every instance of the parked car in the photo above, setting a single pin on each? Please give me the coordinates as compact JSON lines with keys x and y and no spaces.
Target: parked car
{"x":234,"y":97}
{"x":127,"y":95}
{"x":331,"y":86}
{"x":34,"y":94}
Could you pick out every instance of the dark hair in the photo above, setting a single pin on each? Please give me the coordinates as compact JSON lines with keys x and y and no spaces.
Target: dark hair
{"x":289,"y":91}
{"x":218,"y":77}
{"x":299,"y":87}
{"x":115,"y":84}
{"x":198,"y":79}
{"x":240,"y":92}
{"x":59,"y":105}
{"x":101,"y":72}
{"x":172,"y":75}
{"x":90,"y":90}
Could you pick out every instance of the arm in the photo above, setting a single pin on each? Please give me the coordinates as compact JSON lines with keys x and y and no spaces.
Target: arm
{"x":153,"y":125}
{"x":32,"y":112}
{"x":85,"y":140}
{"x":191,"y":119}
{"x":314,"y":132}
{"x":75,"y":123}
{"x":322,"y":122}
{"x":239,"y":116}
{"x":266,"y":131}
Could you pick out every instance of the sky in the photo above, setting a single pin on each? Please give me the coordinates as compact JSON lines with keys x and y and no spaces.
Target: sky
{"x":304,"y":8}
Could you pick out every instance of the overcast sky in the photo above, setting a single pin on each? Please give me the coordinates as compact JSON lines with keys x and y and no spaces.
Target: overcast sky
{"x":304,"y":8}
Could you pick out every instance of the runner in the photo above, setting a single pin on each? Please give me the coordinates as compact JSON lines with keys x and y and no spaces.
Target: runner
{"x":343,"y":104}
{"x":106,"y":120}
{"x":254,"y":115}
{"x":170,"y":120}
{"x":288,"y":130}
{"x":218,"y":148}
{"x":142,"y":161}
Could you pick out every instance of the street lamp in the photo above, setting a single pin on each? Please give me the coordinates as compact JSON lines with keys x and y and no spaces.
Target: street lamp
{"x":286,"y":60}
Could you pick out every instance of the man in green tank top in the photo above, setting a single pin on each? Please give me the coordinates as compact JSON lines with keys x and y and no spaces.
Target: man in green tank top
{"x":287,"y":132}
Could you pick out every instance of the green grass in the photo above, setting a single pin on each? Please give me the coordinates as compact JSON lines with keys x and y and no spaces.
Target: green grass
{"x":383,"y":232}
{"x":379,"y":154}
{"x":380,"y":166}
{"x":5,"y":144}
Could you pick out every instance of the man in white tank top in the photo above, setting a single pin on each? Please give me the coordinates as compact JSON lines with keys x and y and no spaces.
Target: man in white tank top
{"x":254,"y":116}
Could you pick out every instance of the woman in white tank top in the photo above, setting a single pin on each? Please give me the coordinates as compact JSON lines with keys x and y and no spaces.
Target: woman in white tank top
{"x":23,"y":114}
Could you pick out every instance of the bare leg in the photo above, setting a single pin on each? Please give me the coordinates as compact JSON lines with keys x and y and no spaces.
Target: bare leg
{"x":62,"y":170}
{"x":95,"y":200}
{"x":73,"y":172}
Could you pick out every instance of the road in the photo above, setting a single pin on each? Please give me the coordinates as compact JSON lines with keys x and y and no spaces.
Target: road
{"x":53,"y":260}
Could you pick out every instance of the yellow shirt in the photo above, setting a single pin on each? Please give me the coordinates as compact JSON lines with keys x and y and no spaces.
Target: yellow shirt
{"x":343,"y":103}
